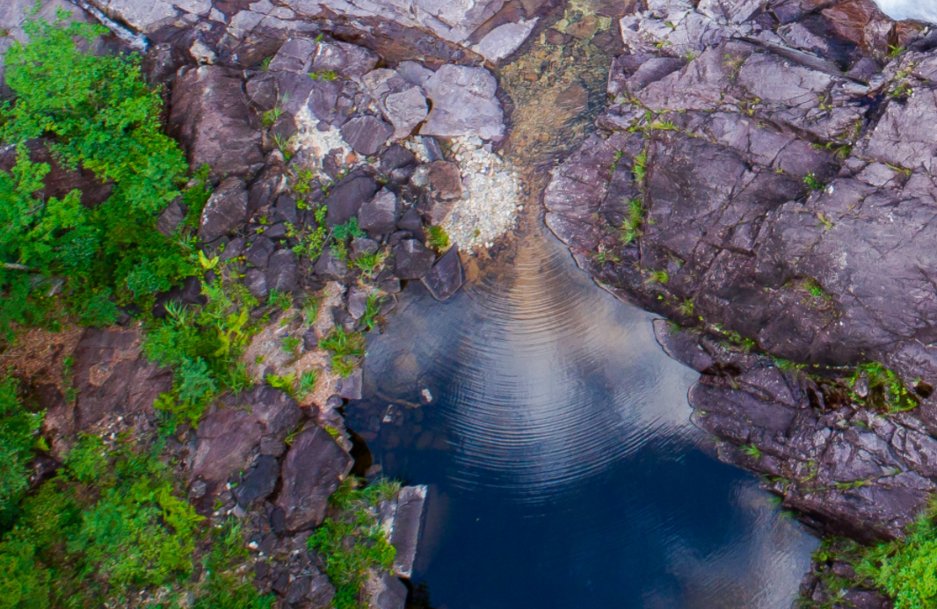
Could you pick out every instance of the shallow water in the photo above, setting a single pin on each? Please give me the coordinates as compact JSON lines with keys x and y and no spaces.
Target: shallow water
{"x":562,"y":466}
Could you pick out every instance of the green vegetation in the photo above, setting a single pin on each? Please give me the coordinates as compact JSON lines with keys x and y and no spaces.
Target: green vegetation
{"x":96,"y":113}
{"x":884,"y":391}
{"x":18,"y":433}
{"x":351,"y":542}
{"x":369,"y":264}
{"x":631,"y":225}
{"x":347,"y":349}
{"x":290,"y":344}
{"x":906,"y":569}
{"x":325,"y":75}
{"x":108,"y":523}
{"x":437,"y":238}
{"x":372,"y":308}
{"x":659,"y":277}
{"x":812,"y":182}
{"x":202,"y":345}
{"x":640,"y":167}
{"x":271,"y":116}
{"x":307,"y":383}
{"x":752,"y":451}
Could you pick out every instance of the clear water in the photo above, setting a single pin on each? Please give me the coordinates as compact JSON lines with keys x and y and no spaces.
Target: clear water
{"x":563,"y":470}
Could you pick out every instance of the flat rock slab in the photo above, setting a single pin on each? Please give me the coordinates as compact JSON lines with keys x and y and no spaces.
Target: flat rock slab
{"x":446,"y":277}
{"x":403,"y":518}
{"x":312,"y":470}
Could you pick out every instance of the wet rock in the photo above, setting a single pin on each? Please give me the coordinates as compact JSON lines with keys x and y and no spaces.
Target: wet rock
{"x":446,"y":276}
{"x":210,"y":115}
{"x":389,"y":593}
{"x":225,"y":211}
{"x":346,"y":198}
{"x":259,"y":482}
{"x":350,"y":387}
{"x":313,"y":468}
{"x":464,"y":103}
{"x":378,"y":216}
{"x":403,"y":517}
{"x":411,"y":259}
{"x":366,"y":134}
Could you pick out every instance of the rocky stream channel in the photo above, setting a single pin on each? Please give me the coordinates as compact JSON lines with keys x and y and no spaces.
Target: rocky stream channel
{"x":754,"y":171}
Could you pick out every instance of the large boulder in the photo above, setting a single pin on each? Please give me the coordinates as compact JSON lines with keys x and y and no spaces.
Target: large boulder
{"x":211,"y":117}
{"x":464,"y":103}
{"x":312,"y":470}
{"x":225,"y":211}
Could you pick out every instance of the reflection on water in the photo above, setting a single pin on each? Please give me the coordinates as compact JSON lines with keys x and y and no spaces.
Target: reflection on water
{"x":563,"y":469}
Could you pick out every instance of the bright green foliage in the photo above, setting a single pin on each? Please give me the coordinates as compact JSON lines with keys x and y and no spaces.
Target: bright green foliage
{"x":369,"y":264}
{"x":341,"y":233}
{"x":94,"y":112}
{"x":631,"y":225}
{"x":307,"y":383}
{"x":18,"y":429}
{"x":885,"y":389}
{"x":109,"y":523}
{"x":907,"y":569}
{"x":372,"y":308}
{"x":202,"y":345}
{"x":312,"y":242}
{"x":437,"y":238}
{"x":351,"y":541}
{"x":347,"y":349}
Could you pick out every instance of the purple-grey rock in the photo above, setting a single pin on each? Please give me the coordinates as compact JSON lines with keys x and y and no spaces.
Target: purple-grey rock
{"x":366,"y":134}
{"x":281,"y":271}
{"x":346,"y":198}
{"x":411,"y":259}
{"x":313,"y":468}
{"x":378,"y":216}
{"x":446,"y":276}
{"x":225,"y":211}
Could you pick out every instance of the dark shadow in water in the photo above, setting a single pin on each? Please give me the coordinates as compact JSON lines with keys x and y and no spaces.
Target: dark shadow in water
{"x":562,"y":467}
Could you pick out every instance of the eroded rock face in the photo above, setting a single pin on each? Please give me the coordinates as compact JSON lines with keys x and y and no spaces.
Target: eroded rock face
{"x":784,"y":193}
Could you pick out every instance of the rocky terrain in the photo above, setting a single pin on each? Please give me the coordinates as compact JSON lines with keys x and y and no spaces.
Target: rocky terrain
{"x":760,"y":176}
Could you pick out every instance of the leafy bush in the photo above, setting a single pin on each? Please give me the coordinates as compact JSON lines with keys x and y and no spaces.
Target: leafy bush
{"x":18,"y":429}
{"x":109,"y":523}
{"x":906,"y":569}
{"x":202,"y":344}
{"x":97,"y":113}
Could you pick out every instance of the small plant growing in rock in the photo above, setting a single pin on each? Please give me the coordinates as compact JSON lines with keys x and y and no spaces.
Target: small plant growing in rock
{"x":752,"y":451}
{"x":660,"y":277}
{"x":307,"y":383}
{"x":291,"y":344}
{"x":812,"y":182}
{"x":372,"y":309}
{"x":437,"y":238}
{"x":369,"y":264}
{"x":283,"y":382}
{"x":271,"y":116}
{"x":325,"y":75}
{"x":341,"y":233}
{"x":874,"y":384}
{"x":346,"y":349}
{"x":631,"y":225}
{"x":640,"y":167}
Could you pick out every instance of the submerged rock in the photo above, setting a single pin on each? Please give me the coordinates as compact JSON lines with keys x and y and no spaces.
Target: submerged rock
{"x":446,"y":276}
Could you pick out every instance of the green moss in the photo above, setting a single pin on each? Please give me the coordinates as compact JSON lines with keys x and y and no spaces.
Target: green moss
{"x":631,"y":226}
{"x":346,"y":348}
{"x":437,"y":238}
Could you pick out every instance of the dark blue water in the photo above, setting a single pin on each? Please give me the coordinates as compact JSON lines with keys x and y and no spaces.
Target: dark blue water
{"x":562,"y":467}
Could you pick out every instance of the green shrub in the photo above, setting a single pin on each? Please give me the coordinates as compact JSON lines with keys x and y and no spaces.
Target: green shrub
{"x":906,"y":569}
{"x":97,"y":113}
{"x":202,"y":345}
{"x":18,"y":429}
{"x":108,"y":524}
